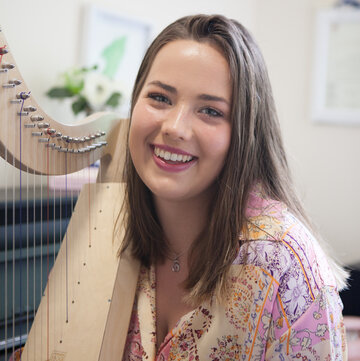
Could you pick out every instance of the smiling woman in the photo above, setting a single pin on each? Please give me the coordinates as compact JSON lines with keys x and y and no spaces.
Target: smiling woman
{"x":182,"y":111}
{"x":230,"y":269}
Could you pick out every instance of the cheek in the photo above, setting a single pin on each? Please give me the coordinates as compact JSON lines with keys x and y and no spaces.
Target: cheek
{"x":143,"y":122}
{"x":219,"y":143}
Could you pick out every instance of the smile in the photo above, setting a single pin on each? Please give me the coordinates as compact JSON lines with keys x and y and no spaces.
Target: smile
{"x":174,"y":157}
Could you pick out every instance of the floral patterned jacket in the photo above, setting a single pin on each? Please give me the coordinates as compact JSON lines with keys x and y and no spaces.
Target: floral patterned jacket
{"x":283,"y":303}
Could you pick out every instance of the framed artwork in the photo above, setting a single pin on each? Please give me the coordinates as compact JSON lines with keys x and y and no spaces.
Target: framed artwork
{"x":116,"y":44}
{"x":336,"y":93}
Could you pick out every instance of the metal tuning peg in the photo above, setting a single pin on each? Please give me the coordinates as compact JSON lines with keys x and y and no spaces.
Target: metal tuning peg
{"x":30,"y":108}
{"x":7,"y":66}
{"x":8,"y":85}
{"x":3,"y":51}
{"x":22,"y":96}
{"x":51,"y":132}
{"x":43,"y":125}
{"x":36,"y":118}
{"x":15,"y":81}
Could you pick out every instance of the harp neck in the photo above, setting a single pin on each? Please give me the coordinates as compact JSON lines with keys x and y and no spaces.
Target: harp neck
{"x":28,"y":135}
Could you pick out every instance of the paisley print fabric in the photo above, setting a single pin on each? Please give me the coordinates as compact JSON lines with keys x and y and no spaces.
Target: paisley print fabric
{"x":282,"y":305}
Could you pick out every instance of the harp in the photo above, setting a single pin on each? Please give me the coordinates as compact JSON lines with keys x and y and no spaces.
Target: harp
{"x":86,"y":305}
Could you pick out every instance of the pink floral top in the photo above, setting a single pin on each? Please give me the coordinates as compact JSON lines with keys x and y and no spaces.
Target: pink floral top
{"x":283,"y":303}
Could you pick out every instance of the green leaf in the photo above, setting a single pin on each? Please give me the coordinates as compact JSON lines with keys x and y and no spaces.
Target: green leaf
{"x":79,"y":105}
{"x":59,"y":92}
{"x":113,"y":55}
{"x":114,"y":100}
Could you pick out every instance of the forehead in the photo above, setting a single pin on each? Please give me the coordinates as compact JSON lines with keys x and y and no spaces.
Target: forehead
{"x":188,"y":62}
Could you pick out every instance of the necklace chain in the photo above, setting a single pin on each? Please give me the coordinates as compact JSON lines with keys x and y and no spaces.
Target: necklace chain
{"x":176,"y":261}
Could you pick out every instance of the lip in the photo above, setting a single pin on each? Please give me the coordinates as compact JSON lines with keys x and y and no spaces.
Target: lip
{"x":168,"y":167}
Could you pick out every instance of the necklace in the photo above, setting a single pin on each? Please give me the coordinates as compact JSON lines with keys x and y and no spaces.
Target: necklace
{"x":176,"y":264}
{"x":176,"y":261}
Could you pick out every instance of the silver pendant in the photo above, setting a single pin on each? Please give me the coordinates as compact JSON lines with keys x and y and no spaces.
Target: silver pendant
{"x":176,"y":266}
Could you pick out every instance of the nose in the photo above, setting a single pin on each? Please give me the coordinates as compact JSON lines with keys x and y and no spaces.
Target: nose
{"x":177,"y":124}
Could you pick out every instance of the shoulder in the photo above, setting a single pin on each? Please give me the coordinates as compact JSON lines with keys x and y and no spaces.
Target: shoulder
{"x":276,"y":242}
{"x":304,"y":314}
{"x":280,"y":243}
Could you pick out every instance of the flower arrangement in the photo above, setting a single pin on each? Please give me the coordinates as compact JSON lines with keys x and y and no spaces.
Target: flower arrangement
{"x":89,"y":89}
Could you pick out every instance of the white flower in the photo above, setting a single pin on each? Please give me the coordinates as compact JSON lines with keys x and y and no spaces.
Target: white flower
{"x":97,"y":89}
{"x":321,"y":329}
{"x":305,"y":343}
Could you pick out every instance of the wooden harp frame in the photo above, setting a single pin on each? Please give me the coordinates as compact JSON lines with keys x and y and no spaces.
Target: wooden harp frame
{"x":92,"y":323}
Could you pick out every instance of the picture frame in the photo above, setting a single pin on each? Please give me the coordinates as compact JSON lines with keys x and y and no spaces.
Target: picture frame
{"x":336,"y":78}
{"x":116,"y":44}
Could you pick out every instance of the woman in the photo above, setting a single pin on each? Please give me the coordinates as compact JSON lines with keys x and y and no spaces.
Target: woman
{"x":229,"y":270}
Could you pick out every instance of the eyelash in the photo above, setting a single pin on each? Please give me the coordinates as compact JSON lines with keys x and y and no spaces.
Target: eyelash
{"x":211,"y":112}
{"x":159,"y":98}
{"x":208,"y":111}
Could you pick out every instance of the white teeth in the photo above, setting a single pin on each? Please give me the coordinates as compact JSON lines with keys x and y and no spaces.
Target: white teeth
{"x":172,"y":156}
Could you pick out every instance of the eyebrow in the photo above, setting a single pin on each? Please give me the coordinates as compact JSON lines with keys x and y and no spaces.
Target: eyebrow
{"x":213,"y":98}
{"x":167,"y":87}
{"x":173,"y":90}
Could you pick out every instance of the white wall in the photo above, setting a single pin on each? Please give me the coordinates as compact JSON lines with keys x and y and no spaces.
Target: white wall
{"x":325,"y":158}
{"x":45,"y":36}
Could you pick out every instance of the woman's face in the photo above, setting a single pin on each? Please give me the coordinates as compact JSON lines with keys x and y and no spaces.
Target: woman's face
{"x":180,"y":127}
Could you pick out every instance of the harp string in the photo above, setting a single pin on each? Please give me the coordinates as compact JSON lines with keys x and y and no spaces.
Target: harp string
{"x":20,"y":214}
{"x":13,"y":245}
{"x":34,"y":241}
{"x":47,"y":257}
{"x":67,"y":243}
{"x":5,"y":221}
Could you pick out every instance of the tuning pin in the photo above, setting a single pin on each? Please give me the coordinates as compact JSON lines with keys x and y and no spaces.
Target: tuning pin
{"x":8,"y":66}
{"x":30,"y":108}
{"x":23,"y":96}
{"x":103,"y":133}
{"x":3,"y":51}
{"x":36,"y":118}
{"x":8,"y":85}
{"x":43,"y":125}
{"x":15,"y":81}
{"x":51,"y":132}
{"x":87,"y":139}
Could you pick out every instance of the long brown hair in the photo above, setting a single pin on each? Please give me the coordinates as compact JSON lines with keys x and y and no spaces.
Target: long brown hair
{"x":256,"y":154}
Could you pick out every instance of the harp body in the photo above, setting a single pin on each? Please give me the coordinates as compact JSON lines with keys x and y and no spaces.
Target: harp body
{"x":85,"y":309}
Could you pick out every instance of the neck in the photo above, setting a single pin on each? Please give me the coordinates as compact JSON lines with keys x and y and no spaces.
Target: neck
{"x":182,"y":221}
